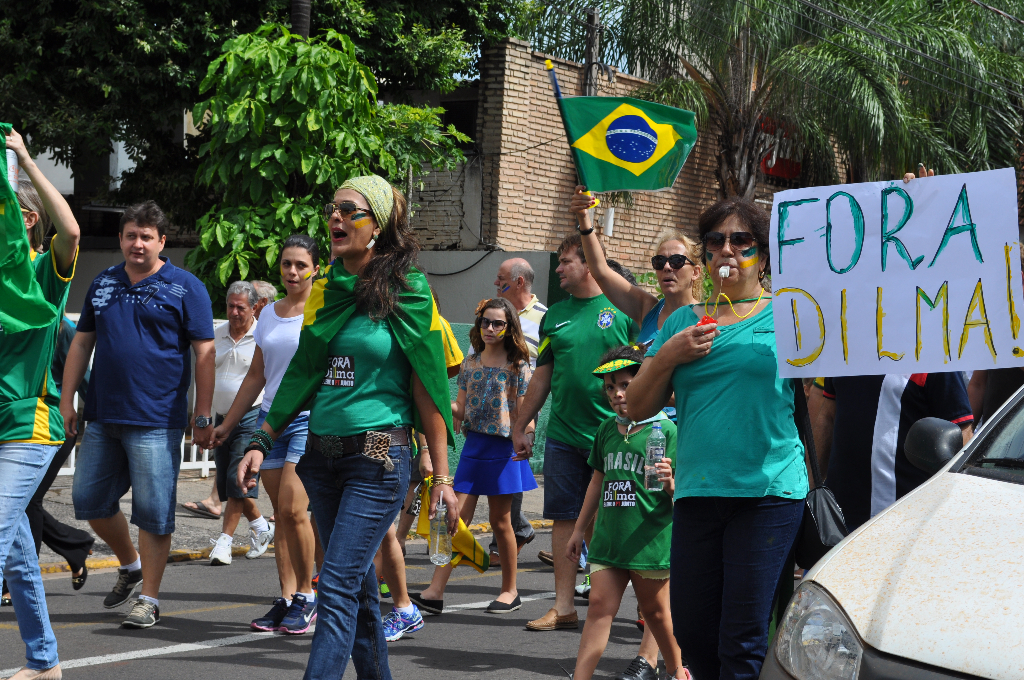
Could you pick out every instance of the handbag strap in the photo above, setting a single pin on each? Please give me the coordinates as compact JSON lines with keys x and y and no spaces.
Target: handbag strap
{"x":803,"y":425}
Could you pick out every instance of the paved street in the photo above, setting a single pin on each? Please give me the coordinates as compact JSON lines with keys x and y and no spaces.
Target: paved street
{"x":205,"y":631}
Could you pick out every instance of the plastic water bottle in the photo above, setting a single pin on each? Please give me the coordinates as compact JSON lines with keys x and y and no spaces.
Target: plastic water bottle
{"x":440,"y":547}
{"x":655,"y":452}
{"x":12,"y":169}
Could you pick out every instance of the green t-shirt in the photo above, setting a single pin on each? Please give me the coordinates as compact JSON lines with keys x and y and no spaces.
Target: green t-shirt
{"x":367,"y":384}
{"x":29,"y":398}
{"x":574,"y":334}
{"x":737,"y":436}
{"x":633,"y":529}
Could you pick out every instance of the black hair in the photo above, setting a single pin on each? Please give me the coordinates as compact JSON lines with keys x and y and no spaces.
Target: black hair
{"x":753,"y":217}
{"x":633,"y":352}
{"x":621,"y":270}
{"x":146,"y":214}
{"x":307,"y":243}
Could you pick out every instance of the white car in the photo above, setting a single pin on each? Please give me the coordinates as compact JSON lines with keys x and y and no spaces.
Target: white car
{"x":933,"y":586}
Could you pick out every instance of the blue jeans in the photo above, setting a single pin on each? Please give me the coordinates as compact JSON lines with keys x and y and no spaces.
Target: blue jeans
{"x":22,"y":467}
{"x":355,"y":501}
{"x":727,"y":558}
{"x":114,"y":458}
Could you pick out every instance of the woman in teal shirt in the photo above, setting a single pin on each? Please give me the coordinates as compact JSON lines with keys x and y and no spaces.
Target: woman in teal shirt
{"x":740,"y":474}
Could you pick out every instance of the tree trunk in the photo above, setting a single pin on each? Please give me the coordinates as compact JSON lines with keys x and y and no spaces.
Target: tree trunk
{"x":300,"y":17}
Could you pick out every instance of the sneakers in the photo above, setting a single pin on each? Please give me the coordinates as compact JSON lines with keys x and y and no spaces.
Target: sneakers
{"x":127,"y":582}
{"x":144,"y":614}
{"x":316,"y":581}
{"x":583,"y":589}
{"x":638,"y":669}
{"x":384,"y":590}
{"x":221,"y":553}
{"x":300,"y":616}
{"x":259,"y":542}
{"x":271,"y":621}
{"x":397,"y":624}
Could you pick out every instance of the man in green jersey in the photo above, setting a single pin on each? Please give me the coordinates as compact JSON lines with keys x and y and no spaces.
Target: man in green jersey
{"x":34,"y":288}
{"x":574,"y":334}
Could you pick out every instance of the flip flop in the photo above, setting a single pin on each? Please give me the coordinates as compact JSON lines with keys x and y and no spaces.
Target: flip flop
{"x":78,"y":581}
{"x":200,"y":510}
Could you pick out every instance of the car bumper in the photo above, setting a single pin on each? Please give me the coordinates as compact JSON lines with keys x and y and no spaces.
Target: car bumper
{"x":874,"y":665}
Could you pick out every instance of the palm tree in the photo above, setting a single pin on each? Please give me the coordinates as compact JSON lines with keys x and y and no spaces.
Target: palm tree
{"x":300,"y":10}
{"x":866,"y":88}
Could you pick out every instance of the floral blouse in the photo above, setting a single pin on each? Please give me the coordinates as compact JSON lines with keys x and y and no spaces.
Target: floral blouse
{"x":491,"y":395}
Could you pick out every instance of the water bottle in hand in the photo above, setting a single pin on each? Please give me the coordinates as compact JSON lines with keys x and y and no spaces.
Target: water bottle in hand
{"x":440,"y":546}
{"x":655,"y":452}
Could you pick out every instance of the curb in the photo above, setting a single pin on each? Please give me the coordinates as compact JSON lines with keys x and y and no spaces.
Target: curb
{"x":236,"y":551}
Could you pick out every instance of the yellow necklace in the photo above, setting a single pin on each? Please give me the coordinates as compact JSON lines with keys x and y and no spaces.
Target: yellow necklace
{"x":721,"y":295}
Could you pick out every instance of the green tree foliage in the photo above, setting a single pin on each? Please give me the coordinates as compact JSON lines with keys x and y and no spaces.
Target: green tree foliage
{"x":76,"y":75}
{"x":868,"y":87}
{"x":288,"y":121}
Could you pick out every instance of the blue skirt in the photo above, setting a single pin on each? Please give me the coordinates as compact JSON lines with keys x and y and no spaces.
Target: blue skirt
{"x":486,"y":467}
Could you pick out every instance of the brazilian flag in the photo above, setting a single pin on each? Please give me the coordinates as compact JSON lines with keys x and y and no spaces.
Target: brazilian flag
{"x":24,"y":306}
{"x":626,"y":144}
{"x":416,"y":325}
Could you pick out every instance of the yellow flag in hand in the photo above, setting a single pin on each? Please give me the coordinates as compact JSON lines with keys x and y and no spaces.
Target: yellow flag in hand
{"x":465,"y":547}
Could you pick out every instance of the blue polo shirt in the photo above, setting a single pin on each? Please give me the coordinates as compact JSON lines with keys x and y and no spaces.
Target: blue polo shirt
{"x":141,"y":370}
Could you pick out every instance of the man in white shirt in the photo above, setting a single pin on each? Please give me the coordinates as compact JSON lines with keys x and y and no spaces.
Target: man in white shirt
{"x":235,"y":347}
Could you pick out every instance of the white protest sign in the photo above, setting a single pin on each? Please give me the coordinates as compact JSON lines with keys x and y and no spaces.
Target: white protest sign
{"x":895,"y":277}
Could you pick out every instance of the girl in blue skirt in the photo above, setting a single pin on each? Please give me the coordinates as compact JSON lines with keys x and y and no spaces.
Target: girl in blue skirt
{"x":492,"y":383}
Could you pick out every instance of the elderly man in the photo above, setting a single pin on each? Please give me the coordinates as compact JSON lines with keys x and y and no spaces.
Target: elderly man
{"x":515,"y":283}
{"x":235,"y":348}
{"x":142,"y":317}
{"x":265,"y":294}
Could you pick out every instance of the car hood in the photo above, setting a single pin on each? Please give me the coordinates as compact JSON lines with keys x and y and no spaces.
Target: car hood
{"x":939,"y":576}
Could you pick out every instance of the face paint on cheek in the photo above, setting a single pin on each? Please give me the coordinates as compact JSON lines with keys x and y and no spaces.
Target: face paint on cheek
{"x":500,"y":334}
{"x":505,"y":289}
{"x":709,"y":256}
{"x":360,"y":220}
{"x":748,"y":253}
{"x":309,"y":274}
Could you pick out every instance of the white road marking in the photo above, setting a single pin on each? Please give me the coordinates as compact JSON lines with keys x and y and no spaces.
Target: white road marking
{"x":224,"y":642}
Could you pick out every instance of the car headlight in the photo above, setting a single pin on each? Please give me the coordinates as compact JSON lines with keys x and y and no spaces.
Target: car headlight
{"x":816,"y":641}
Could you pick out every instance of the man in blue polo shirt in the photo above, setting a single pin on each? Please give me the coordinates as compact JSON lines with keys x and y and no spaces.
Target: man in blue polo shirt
{"x":141,"y":317}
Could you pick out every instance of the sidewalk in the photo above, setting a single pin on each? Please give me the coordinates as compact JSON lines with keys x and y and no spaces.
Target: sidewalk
{"x":192,"y":534}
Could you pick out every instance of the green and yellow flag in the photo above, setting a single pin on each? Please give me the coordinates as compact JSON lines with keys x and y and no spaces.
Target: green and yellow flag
{"x":24,"y":306}
{"x":625,"y":144}
{"x":465,"y":548}
{"x":416,"y":325}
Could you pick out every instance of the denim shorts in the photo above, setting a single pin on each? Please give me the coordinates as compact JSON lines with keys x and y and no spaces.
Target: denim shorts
{"x":229,"y":454}
{"x":290,"y":446}
{"x":114,"y":458}
{"x":566,"y":478}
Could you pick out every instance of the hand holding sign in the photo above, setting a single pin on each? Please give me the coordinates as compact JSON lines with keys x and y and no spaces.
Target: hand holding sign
{"x":898,"y":277}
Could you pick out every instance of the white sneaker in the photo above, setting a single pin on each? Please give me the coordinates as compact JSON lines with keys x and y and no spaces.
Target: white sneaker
{"x":259,"y":542}
{"x":221,"y":553}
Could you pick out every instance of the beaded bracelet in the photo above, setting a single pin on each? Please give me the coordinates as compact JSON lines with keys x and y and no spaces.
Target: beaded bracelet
{"x":261,"y":437}
{"x":257,"y":446}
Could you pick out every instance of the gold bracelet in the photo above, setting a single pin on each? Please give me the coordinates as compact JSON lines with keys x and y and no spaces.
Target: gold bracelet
{"x":442,"y":480}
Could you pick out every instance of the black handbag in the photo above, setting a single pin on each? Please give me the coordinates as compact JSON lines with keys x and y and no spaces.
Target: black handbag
{"x":823,"y":524}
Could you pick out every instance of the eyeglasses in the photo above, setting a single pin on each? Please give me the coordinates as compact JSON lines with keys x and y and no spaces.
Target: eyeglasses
{"x":345,"y":208}
{"x":715,"y":240}
{"x":677,"y":261}
{"x":497,"y":325}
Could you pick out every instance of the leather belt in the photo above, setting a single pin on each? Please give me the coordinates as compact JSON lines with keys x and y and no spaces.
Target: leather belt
{"x":331,"y":446}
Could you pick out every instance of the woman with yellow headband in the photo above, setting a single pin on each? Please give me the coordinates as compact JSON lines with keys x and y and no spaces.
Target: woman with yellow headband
{"x":277,"y":337}
{"x":740,"y":474}
{"x":369,"y":366}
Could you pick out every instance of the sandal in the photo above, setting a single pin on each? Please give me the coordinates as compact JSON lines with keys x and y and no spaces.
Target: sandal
{"x":78,"y":581}
{"x":201,"y":510}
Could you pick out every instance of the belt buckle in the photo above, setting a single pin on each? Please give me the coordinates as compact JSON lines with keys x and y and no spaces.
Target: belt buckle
{"x":332,"y":446}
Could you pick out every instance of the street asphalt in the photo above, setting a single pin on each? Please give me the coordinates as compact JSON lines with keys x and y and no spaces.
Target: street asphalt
{"x":205,"y":628}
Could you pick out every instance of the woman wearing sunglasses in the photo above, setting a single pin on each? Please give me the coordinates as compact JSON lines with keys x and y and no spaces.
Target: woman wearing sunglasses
{"x":674,"y":265}
{"x":492,"y":384}
{"x":369,"y":366}
{"x":740,"y":477}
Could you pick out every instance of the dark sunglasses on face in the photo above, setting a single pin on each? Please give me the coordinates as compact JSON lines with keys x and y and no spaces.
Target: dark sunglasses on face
{"x":345,"y":208}
{"x":497,"y":325}
{"x":676,"y":261}
{"x":739,"y":240}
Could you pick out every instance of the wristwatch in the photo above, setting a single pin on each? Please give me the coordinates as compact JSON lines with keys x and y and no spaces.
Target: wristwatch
{"x":202,"y":422}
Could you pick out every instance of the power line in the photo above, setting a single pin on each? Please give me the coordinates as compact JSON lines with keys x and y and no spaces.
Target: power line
{"x":998,"y":11}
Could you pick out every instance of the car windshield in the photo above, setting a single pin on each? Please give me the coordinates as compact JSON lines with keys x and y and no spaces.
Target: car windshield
{"x":1000,"y":454}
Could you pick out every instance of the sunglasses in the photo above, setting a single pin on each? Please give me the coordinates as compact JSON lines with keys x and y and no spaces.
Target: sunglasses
{"x":497,"y":325}
{"x":346,"y":209}
{"x":677,"y":261}
{"x":740,"y":240}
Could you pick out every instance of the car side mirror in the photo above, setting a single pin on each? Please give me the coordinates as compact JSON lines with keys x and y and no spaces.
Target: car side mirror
{"x":931,"y":443}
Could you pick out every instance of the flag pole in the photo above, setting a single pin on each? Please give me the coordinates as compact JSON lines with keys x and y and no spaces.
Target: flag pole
{"x":550,"y":68}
